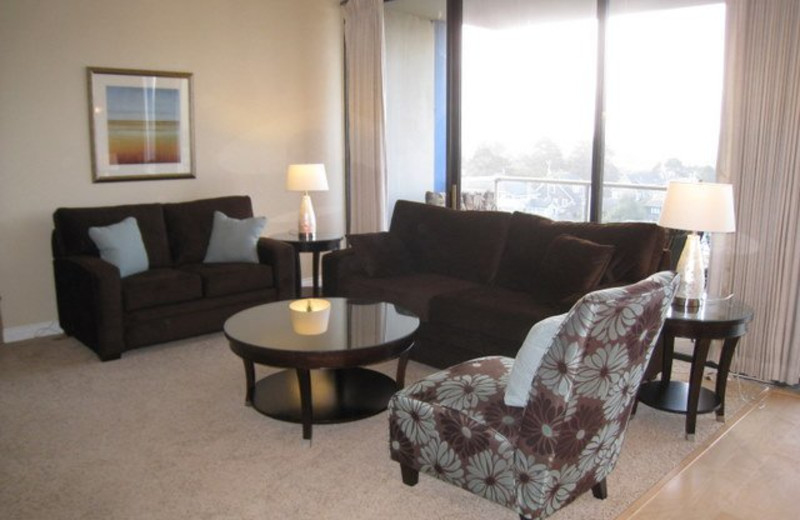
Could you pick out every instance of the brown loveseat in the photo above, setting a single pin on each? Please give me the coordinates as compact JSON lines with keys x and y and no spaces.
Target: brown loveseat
{"x":480,"y":280}
{"x":179,"y":295}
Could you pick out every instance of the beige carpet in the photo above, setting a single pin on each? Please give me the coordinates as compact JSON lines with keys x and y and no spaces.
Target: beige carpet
{"x":163,"y":433}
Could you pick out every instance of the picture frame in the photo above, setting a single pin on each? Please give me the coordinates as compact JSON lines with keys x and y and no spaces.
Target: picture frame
{"x":141,"y":124}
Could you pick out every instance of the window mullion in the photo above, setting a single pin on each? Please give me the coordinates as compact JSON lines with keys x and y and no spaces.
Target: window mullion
{"x":455,"y":10}
{"x":598,"y":142}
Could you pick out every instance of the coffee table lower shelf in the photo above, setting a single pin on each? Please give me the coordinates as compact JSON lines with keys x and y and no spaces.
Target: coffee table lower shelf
{"x":674,"y":397}
{"x":337,"y":395}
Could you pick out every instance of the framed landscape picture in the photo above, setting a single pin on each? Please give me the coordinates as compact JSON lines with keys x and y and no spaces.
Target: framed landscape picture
{"x":141,"y":124}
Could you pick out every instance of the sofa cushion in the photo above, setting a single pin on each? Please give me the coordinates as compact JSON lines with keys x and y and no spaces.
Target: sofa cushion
{"x":464,"y":244}
{"x":201,"y":316}
{"x":189,"y":224}
{"x":413,"y":291}
{"x":381,"y":254}
{"x":234,"y":240}
{"x":637,"y":249}
{"x":231,"y":278}
{"x":572,"y":267}
{"x":121,"y":245}
{"x":71,"y":237}
{"x":158,"y":287}
{"x":490,"y":310}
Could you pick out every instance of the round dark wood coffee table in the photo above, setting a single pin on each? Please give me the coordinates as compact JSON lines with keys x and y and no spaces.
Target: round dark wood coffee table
{"x":326,"y":382}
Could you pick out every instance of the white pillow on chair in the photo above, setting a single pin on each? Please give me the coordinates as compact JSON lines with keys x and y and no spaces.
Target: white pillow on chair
{"x":528,"y":359}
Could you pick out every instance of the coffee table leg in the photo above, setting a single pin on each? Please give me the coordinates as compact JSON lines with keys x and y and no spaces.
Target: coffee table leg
{"x":695,"y":383}
{"x":304,"y":380}
{"x":250,"y":382}
{"x":728,"y":349}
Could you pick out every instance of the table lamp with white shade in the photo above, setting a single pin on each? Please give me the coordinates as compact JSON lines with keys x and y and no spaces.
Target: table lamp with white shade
{"x":696,"y":207}
{"x":305,"y":178}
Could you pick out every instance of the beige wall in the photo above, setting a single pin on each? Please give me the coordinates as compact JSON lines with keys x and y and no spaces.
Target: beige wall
{"x":267,"y":92}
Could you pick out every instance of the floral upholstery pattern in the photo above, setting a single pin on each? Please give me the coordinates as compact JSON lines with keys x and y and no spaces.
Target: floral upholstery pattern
{"x":454,"y":424}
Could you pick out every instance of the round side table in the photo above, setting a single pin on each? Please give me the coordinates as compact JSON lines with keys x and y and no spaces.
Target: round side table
{"x":315,"y":244}
{"x":726,"y":320}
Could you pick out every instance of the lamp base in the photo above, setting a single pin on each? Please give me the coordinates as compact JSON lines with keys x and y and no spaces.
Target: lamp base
{"x":692,"y":272}
{"x":307,"y":222}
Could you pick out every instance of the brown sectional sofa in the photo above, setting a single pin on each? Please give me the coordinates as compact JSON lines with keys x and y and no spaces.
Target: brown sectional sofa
{"x":480,"y":280}
{"x":179,"y":296}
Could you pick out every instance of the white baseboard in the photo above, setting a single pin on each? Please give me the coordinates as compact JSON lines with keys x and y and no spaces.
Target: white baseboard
{"x":34,"y":330}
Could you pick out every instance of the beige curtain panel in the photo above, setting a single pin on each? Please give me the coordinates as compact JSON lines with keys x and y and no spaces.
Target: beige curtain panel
{"x":760,"y":155}
{"x":366,"y":114}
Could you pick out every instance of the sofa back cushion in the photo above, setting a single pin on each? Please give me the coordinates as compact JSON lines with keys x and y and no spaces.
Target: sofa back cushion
{"x":71,"y":234}
{"x":383,"y":255}
{"x":637,"y":249}
{"x":189,"y":224}
{"x":572,"y":267}
{"x":464,"y":244}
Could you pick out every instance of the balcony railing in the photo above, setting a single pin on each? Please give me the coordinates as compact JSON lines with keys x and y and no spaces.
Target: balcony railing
{"x":506,"y":199}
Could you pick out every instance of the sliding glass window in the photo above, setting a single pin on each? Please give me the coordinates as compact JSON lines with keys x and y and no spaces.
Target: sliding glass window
{"x":529,"y":95}
{"x":663,"y":90}
{"x":527,"y":112}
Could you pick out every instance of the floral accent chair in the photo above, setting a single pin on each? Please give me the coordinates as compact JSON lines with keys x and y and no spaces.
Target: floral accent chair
{"x":455,"y":425}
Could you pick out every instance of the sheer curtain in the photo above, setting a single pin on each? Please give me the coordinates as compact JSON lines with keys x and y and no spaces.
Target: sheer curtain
{"x":760,"y":155}
{"x":366,"y":115}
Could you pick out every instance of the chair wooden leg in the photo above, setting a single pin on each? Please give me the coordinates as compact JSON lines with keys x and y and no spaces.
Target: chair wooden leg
{"x":600,"y":490}
{"x":410,"y":475}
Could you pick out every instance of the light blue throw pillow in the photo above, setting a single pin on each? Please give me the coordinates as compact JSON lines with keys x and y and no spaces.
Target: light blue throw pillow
{"x":121,"y":244}
{"x":528,"y":359}
{"x":234,"y":240}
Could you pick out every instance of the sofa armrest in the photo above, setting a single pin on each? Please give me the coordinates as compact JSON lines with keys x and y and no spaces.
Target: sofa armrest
{"x":89,"y":298}
{"x":280,"y":256}
{"x":336,"y":266}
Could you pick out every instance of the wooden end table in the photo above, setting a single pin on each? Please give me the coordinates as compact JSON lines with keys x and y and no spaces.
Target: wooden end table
{"x":315,"y":244}
{"x":325,"y":381}
{"x":726,"y":320}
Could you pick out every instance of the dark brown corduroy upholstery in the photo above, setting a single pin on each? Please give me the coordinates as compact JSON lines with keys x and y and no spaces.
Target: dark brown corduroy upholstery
{"x":464,"y":244}
{"x":225,"y":279}
{"x":638,"y":248}
{"x":491,"y":311}
{"x":570,"y":268}
{"x":189,"y":224}
{"x":383,"y":254}
{"x":73,"y":226}
{"x":413,"y":291}
{"x":158,"y":287}
{"x":480,"y":280}
{"x":174,"y":298}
